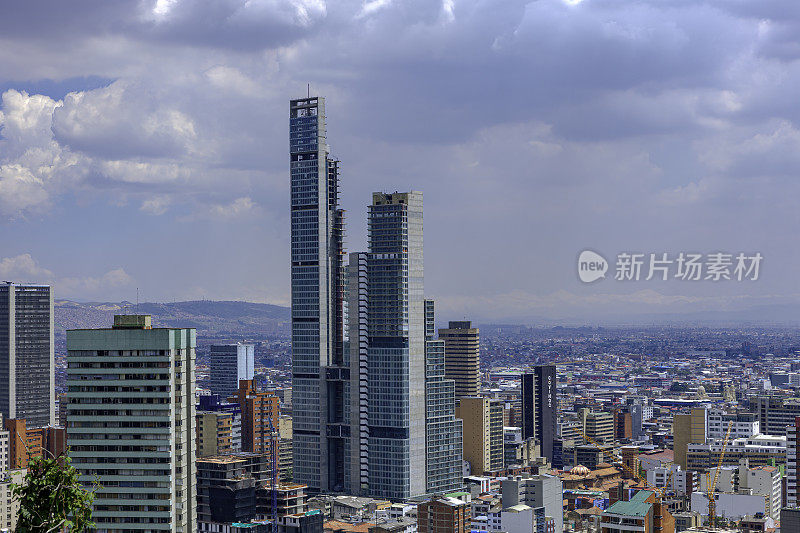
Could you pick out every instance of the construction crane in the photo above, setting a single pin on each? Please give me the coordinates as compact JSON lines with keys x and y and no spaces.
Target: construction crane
{"x":712,"y":502}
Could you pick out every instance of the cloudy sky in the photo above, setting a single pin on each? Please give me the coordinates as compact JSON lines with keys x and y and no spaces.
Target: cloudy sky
{"x":144,"y":144}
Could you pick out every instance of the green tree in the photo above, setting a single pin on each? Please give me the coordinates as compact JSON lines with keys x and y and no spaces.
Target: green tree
{"x":52,"y":499}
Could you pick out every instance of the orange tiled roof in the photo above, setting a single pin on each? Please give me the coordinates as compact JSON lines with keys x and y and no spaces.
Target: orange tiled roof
{"x":344,"y":527}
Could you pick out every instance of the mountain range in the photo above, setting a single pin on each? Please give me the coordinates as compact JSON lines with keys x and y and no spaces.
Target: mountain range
{"x":210,"y":318}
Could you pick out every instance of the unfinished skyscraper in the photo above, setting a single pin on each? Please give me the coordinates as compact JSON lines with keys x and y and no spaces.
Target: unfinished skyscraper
{"x":320,"y":376}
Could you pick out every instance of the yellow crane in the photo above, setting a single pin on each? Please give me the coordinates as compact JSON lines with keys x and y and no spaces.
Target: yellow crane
{"x":712,"y":502}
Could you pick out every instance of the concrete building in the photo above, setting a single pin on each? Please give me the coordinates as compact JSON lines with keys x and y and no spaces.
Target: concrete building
{"x":131,"y":419}
{"x":759,"y":450}
{"x":792,"y":466}
{"x":290,"y":498}
{"x":731,"y":506}
{"x":219,"y":427}
{"x":285,"y":448}
{"x":623,"y":424}
{"x":27,"y":378}
{"x":260,"y":411}
{"x":310,"y":521}
{"x":761,"y":481}
{"x":394,"y":525}
{"x":228,"y":365}
{"x":9,"y":505}
{"x":443,"y":515}
{"x":640,"y":413}
{"x":226,"y":492}
{"x":643,"y":513}
{"x":588,"y":455}
{"x":358,"y":342}
{"x":688,"y":429}
{"x":742,"y":425}
{"x":319,"y":373}
{"x":519,"y":519}
{"x":542,"y":490}
{"x":686,"y":520}
{"x":673,"y":479}
{"x":26,"y":443}
{"x":518,"y":451}
{"x":483,"y":433}
{"x":215,"y":433}
{"x":539,"y":407}
{"x":775,"y":413}
{"x":598,"y":426}
{"x":462,"y":357}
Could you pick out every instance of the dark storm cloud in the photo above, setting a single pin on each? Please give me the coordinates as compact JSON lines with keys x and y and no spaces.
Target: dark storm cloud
{"x":236,"y":24}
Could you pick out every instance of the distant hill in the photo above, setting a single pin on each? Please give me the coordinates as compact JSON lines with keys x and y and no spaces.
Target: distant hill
{"x":212,"y":319}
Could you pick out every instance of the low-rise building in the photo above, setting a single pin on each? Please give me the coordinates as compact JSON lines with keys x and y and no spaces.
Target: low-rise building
{"x":759,"y":450}
{"x":761,"y":481}
{"x":443,"y":515}
{"x":687,"y":519}
{"x":643,"y":513}
{"x":542,"y":490}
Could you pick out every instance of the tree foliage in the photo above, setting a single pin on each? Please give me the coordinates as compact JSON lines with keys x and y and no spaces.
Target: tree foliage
{"x":52,"y":498}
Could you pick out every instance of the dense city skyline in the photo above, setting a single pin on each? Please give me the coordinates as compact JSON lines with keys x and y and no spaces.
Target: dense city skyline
{"x":225,"y":306}
{"x":537,"y":130}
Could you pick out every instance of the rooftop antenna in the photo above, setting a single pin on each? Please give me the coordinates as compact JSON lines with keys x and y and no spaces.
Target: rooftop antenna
{"x":308,"y":89}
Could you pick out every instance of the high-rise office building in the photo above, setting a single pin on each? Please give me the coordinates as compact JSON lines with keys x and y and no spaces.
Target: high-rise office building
{"x":623,"y":424}
{"x":27,"y":378}
{"x":260,"y":429}
{"x":462,"y":357}
{"x":131,"y":423}
{"x":320,"y":377}
{"x":483,"y":433}
{"x":539,"y":407}
{"x":444,"y":432}
{"x":775,"y":413}
{"x":596,"y":426}
{"x":688,"y":429}
{"x":396,"y":338}
{"x":229,"y":364}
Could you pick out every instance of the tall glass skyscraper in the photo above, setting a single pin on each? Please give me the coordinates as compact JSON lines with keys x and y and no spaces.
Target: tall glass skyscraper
{"x":372,"y":411}
{"x":539,"y":407}
{"x":396,"y":347}
{"x":229,"y":364}
{"x":27,"y":379}
{"x":320,"y":377}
